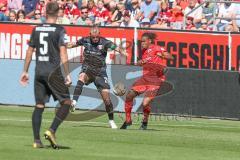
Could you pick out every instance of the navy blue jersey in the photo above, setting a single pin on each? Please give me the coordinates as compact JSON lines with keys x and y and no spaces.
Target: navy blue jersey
{"x":47,"y":39}
{"x":98,"y":50}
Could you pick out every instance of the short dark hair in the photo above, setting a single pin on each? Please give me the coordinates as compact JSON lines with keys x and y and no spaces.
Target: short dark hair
{"x":52,"y":9}
{"x":84,"y":7}
{"x":151,"y":36}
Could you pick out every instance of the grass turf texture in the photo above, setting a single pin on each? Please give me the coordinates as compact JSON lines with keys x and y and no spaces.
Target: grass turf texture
{"x":198,"y":139}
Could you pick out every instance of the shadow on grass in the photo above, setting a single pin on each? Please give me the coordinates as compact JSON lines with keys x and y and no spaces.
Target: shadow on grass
{"x":147,"y":130}
{"x":93,"y":126}
{"x":50,"y":147}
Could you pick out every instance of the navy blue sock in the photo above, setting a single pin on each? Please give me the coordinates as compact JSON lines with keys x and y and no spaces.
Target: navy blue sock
{"x":78,"y":90}
{"x":60,"y":116}
{"x":36,"y":122}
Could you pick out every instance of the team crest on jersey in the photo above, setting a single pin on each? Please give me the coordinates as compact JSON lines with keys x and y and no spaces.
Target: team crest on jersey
{"x":100,"y":47}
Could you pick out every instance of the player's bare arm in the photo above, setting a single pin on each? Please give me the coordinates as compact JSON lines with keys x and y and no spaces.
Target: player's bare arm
{"x":64,"y":59}
{"x":120,"y":50}
{"x":165,"y":55}
{"x":25,"y":77}
{"x":72,"y":44}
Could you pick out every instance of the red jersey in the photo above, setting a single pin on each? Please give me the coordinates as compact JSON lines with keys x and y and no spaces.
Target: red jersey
{"x":153,"y":70}
{"x":70,"y":12}
{"x":102,"y":14}
{"x":41,"y":8}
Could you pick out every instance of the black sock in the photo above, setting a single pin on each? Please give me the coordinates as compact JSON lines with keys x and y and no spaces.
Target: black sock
{"x":36,"y":122}
{"x":109,"y":110}
{"x":60,"y":116}
{"x":78,"y":90}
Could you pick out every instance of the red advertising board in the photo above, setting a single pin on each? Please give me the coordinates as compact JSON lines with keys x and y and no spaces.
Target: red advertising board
{"x":194,"y":49}
{"x":14,"y":39}
{"x":197,"y":50}
{"x":235,"y":51}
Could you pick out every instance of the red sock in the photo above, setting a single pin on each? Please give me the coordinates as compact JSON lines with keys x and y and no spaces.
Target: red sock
{"x":146,"y":112}
{"x":128,"y":110}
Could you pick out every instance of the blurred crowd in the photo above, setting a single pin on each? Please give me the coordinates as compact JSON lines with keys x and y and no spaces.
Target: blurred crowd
{"x":130,"y":13}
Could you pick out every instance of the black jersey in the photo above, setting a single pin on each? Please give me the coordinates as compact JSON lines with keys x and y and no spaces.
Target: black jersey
{"x":98,"y":50}
{"x":47,"y":39}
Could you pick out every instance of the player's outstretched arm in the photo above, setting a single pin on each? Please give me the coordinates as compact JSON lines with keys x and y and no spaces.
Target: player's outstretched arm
{"x":165,"y":55}
{"x":24,"y":78}
{"x":72,"y":44}
{"x":64,"y":59}
{"x":120,"y":50}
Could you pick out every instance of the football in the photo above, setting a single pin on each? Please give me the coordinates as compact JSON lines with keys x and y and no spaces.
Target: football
{"x":119,"y":89}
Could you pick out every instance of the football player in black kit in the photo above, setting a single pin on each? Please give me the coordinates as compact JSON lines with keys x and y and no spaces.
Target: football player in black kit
{"x":94,"y":68}
{"x":48,"y":41}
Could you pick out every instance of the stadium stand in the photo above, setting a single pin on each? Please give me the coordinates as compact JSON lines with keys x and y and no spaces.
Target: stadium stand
{"x":171,"y":14}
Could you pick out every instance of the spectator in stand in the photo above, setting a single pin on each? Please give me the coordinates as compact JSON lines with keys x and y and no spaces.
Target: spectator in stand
{"x":208,"y":11}
{"x":236,"y":22}
{"x":112,"y":7}
{"x":71,"y":11}
{"x":134,"y":8}
{"x":14,"y":5}
{"x":145,"y":23}
{"x":128,"y":21}
{"x":177,"y":13}
{"x":21,"y":16}
{"x":91,"y":10}
{"x":61,"y":3}
{"x":117,"y":16}
{"x":165,"y":13}
{"x":204,"y":25}
{"x":62,"y":19}
{"x":226,"y":13}
{"x":3,"y":10}
{"x":189,"y":23}
{"x":12,"y":16}
{"x":41,"y":5}
{"x":161,"y":23}
{"x":197,"y":14}
{"x":101,"y":15}
{"x":29,"y":7}
{"x":37,"y":17}
{"x":83,"y":19}
{"x":149,"y":9}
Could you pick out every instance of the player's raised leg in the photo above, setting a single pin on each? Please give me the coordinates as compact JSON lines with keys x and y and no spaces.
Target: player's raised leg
{"x":128,"y":108}
{"x":59,"y":118}
{"x":83,"y":78}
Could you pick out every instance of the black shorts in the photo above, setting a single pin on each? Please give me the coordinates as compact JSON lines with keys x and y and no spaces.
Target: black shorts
{"x":100,"y":79}
{"x":45,"y":86}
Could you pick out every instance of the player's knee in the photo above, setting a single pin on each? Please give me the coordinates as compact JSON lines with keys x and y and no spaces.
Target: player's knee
{"x":146,"y":103}
{"x":83,"y":77}
{"x":66,"y":102}
{"x":130,"y":95}
{"x":40,"y":105}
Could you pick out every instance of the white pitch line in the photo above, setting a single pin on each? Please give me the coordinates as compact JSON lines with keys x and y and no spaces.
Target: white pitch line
{"x":103,"y":123}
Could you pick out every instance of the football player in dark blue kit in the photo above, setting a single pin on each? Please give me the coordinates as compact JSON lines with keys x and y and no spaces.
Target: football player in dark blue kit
{"x":48,"y":42}
{"x":94,"y":68}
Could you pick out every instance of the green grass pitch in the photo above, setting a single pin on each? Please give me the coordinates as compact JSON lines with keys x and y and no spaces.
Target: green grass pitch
{"x":196,"y":139}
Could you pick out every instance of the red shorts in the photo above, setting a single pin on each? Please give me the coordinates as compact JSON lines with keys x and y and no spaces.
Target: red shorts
{"x":145,"y":86}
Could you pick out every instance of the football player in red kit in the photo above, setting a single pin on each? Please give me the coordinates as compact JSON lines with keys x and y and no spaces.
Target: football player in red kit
{"x":153,"y":76}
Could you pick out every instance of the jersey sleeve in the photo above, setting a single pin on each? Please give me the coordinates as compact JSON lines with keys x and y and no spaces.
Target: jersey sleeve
{"x":62,"y":38}
{"x":159,"y":49}
{"x":109,"y":45}
{"x":32,"y":42}
{"x":81,"y":42}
